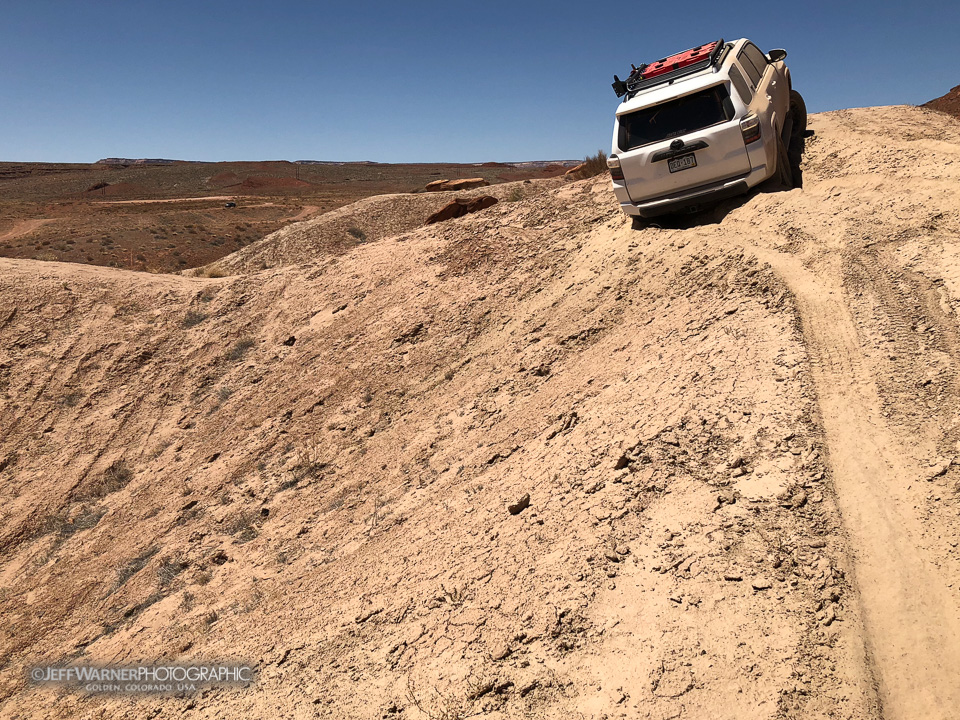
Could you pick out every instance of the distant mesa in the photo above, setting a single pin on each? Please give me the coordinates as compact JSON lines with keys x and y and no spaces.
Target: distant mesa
{"x":334,"y":162}
{"x":545,"y":163}
{"x":462,"y":184}
{"x":949,"y":103}
{"x":139,"y":161}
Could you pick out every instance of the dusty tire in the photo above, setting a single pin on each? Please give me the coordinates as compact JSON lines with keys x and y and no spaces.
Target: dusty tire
{"x":784,"y":166}
{"x":798,"y":112}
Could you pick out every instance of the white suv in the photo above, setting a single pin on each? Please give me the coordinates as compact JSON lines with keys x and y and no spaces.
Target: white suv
{"x":702,"y":126}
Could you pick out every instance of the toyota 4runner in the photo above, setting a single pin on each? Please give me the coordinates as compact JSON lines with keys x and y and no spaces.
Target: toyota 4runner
{"x":704,"y":125}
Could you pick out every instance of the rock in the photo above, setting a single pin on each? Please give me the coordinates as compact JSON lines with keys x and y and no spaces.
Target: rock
{"x":437,"y":185}
{"x":367,"y":614}
{"x":622,"y":462}
{"x":829,"y":616}
{"x":519,"y":506}
{"x":830,"y":595}
{"x":460,"y":207}
{"x":732,"y":577}
{"x":622,"y":549}
{"x":484,"y":687}
{"x":612,"y":556}
{"x":409,"y":333}
{"x":940,"y":469}
{"x":738,"y":472}
{"x":529,"y":687}
{"x":466,"y":183}
{"x":670,"y":439}
{"x":290,"y":341}
{"x":761,"y":583}
{"x":727,"y":497}
{"x":502,"y":652}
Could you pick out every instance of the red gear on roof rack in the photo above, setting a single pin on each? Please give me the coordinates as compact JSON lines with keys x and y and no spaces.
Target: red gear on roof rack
{"x":680,"y":60}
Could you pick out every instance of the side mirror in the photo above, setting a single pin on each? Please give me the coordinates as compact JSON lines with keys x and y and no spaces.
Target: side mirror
{"x":777,"y":55}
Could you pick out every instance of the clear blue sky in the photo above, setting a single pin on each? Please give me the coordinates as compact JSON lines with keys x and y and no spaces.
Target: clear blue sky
{"x":411,"y":81}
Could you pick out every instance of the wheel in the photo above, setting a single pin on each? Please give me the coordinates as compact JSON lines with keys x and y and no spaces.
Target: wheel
{"x":784,"y":166}
{"x":798,"y":112}
{"x":636,"y":222}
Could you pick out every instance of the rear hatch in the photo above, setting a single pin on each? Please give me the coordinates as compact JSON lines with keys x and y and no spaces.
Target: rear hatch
{"x":679,"y":144}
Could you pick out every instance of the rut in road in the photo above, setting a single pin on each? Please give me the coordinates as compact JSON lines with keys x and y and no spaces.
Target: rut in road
{"x":911,"y":617}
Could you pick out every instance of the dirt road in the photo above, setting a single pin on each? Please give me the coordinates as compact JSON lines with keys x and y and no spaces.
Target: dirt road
{"x":23,"y":227}
{"x":526,"y":463}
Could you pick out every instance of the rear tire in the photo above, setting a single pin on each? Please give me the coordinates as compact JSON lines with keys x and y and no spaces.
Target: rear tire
{"x":798,"y":111}
{"x":784,"y":168}
{"x":637,"y":223}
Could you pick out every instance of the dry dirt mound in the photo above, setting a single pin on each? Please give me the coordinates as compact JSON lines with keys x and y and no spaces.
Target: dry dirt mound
{"x":948,"y":103}
{"x":527,"y":463}
{"x":224,"y":179}
{"x":264,"y":183}
{"x":366,"y":220}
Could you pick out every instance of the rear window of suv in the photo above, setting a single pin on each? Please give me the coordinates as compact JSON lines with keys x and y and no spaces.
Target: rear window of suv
{"x":676,"y":117}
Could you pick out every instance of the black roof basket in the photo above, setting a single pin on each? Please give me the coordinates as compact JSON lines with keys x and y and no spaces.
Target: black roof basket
{"x":636,"y":82}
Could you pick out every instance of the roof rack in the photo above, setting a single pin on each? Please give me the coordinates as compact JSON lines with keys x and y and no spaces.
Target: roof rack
{"x":669,"y":68}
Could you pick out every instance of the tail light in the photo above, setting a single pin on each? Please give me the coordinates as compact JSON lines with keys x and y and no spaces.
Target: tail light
{"x":616,"y":172}
{"x":750,"y":128}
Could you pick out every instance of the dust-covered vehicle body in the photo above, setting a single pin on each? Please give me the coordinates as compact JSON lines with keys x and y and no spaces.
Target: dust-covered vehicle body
{"x":701,"y":126}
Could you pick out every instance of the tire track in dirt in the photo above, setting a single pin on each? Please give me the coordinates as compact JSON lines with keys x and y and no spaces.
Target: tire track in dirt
{"x":912,"y":619}
{"x":922,"y":383}
{"x":24,"y":227}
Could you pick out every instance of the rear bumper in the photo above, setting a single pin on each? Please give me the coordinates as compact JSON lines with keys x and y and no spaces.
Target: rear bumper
{"x":687,"y":200}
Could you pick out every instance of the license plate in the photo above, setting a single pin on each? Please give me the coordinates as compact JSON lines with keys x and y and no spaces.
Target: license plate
{"x":683,"y":162}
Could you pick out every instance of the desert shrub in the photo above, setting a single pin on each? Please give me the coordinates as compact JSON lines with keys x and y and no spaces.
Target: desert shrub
{"x":213,"y":271}
{"x":240,"y":349}
{"x":169,"y":569}
{"x":242,"y":527}
{"x":514,"y":195}
{"x":71,"y":399}
{"x":309,"y":462}
{"x":357,"y":233}
{"x":132,"y":567}
{"x":593,"y":165}
{"x":192,"y":318}
{"x":116,"y":477}
{"x":86,"y":519}
{"x":187,"y":601}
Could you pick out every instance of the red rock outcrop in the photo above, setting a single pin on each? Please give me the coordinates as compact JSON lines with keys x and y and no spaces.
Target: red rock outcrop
{"x":460,"y":207}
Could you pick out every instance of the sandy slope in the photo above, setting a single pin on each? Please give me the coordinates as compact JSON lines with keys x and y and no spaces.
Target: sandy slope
{"x":737,"y":437}
{"x":375,"y":218}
